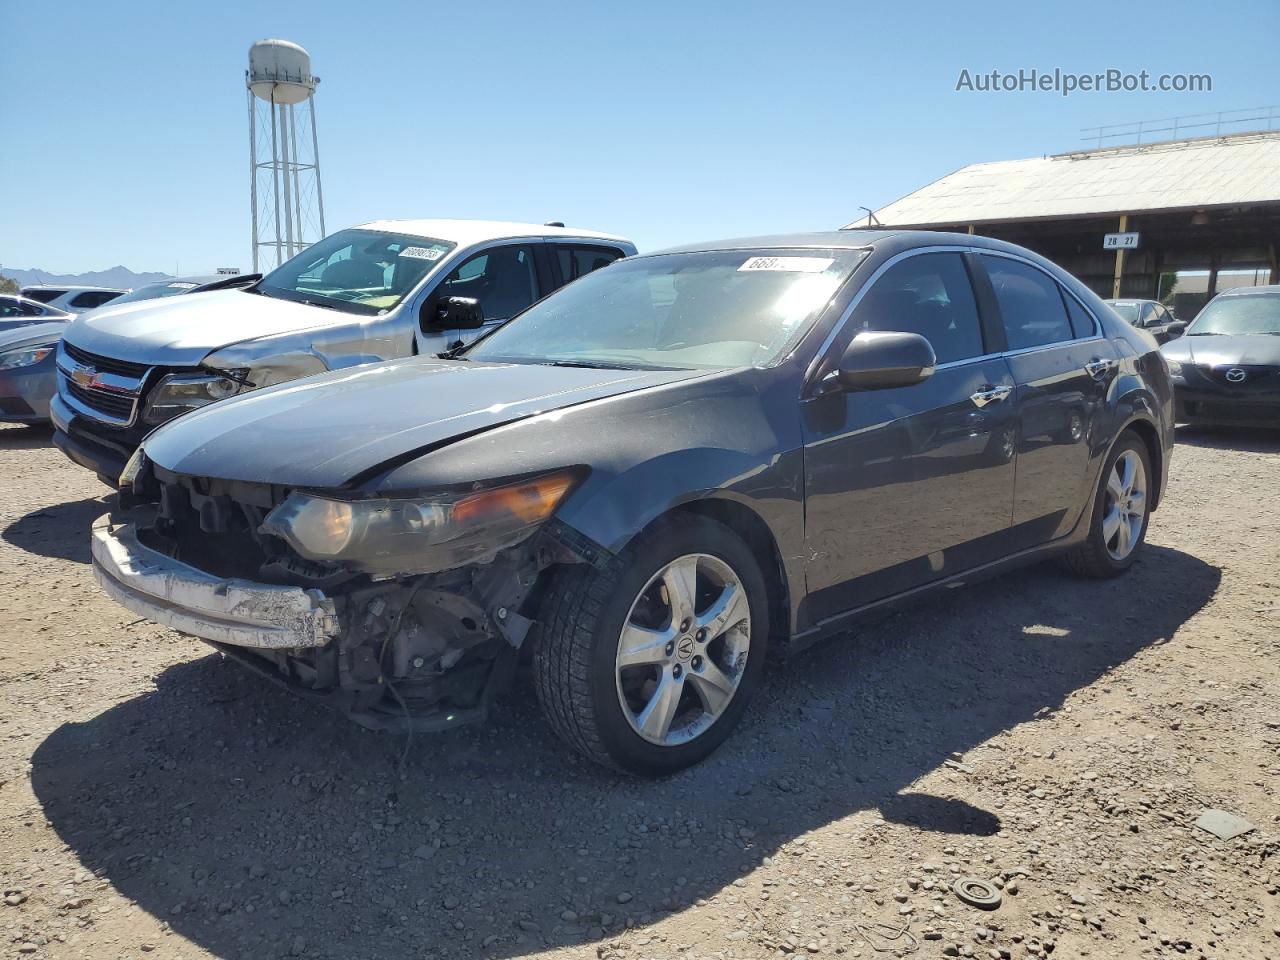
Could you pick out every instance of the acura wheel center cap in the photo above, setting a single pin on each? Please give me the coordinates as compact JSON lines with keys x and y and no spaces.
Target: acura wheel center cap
{"x":684,"y":648}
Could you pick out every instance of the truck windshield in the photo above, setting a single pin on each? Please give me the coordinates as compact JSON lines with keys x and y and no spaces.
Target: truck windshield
{"x":356,"y":271}
{"x":714,"y":309}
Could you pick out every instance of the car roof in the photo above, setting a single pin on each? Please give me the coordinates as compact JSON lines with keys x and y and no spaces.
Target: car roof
{"x":859,"y":239}
{"x":1270,"y":289}
{"x":68,"y":287}
{"x":465,"y":233}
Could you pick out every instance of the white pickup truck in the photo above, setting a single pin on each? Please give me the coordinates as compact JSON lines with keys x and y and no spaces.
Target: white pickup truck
{"x":386,"y":289}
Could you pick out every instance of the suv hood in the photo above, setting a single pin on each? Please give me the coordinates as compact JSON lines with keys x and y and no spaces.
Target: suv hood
{"x":181,"y":331}
{"x":1258,"y":349}
{"x":328,"y":429}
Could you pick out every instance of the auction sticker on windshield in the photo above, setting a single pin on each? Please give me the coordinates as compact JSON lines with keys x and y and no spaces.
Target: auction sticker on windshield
{"x":422,"y":253}
{"x":789,"y":264}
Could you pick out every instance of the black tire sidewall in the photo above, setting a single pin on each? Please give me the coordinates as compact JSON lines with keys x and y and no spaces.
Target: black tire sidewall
{"x":1127,"y":441}
{"x":638,"y":564}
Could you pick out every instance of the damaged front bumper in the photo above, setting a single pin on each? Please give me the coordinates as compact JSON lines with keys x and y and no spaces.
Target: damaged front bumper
{"x":424,"y":653}
{"x":236,"y":612}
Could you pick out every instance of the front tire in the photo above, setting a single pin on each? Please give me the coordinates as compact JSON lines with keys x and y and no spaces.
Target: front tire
{"x":648,"y":664}
{"x":1121,"y":510}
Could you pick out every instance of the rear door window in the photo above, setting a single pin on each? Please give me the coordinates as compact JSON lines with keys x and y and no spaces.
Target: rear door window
{"x":1031,"y":305}
{"x":44,"y":296}
{"x":929,"y":294}
{"x":92,"y":298}
{"x":578,"y":261}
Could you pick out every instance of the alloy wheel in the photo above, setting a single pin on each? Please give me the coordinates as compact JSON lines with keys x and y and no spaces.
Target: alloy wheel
{"x":683,"y":649}
{"x":1126,"y":506}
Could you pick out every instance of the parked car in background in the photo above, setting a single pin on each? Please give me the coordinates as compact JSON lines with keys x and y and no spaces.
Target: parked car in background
{"x":71,"y":299}
{"x":28,"y":377}
{"x":30,"y":380}
{"x":650,"y":477}
{"x":386,"y":289}
{"x":180,"y":286}
{"x":1226,"y":370}
{"x":19,"y":311}
{"x":1151,"y":316}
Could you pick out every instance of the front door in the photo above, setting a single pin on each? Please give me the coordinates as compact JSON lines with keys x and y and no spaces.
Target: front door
{"x":1063,"y":369}
{"x":503,"y":279}
{"x":907,"y":485}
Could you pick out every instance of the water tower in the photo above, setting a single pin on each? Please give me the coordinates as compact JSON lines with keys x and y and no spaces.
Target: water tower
{"x":288,"y":205}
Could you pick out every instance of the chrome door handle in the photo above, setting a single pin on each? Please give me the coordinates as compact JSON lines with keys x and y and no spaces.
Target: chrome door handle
{"x":990,"y":395}
{"x":1099,"y":368}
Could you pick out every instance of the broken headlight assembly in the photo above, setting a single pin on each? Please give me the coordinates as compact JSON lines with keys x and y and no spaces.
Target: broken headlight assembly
{"x":419,"y":534}
{"x":179,"y":392}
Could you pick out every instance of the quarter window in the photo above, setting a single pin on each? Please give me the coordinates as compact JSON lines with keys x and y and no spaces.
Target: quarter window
{"x":928,"y":294}
{"x":502,"y":279}
{"x":1031,"y":304}
{"x":1082,"y":324}
{"x":577,"y":262}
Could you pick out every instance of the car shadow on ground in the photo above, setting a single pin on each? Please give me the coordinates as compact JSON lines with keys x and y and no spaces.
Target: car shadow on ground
{"x":259,"y":826}
{"x":1246,"y":439}
{"x":22,"y":436}
{"x":61,"y":532}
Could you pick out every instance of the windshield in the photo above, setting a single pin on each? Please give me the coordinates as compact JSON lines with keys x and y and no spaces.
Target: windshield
{"x":1128,"y":309}
{"x":674,"y":311}
{"x":356,"y":271}
{"x":1247,"y":313}
{"x":151,"y":291}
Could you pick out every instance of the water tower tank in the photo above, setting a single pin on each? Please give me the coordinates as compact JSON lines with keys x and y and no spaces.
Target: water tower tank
{"x":280,"y":72}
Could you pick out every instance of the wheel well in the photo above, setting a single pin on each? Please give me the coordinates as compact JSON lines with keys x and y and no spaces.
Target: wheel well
{"x":747,"y":524}
{"x":1147,"y":432}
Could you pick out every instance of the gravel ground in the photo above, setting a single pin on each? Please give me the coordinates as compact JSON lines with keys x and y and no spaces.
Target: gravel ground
{"x":1056,"y":736}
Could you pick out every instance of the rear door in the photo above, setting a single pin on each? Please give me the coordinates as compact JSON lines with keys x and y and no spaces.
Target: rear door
{"x":907,"y":485}
{"x":574,"y":260}
{"x":1063,"y":368}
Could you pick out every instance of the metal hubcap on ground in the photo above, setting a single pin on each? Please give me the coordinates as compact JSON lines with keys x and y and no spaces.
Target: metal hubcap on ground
{"x":1126,"y":506}
{"x":683,"y":649}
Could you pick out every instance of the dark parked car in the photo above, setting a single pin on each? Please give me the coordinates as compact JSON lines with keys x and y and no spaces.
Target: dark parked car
{"x":648,"y":479}
{"x":1226,"y":370}
{"x":1151,"y":316}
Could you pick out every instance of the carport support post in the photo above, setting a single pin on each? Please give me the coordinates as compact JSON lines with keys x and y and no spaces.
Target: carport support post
{"x":1115,"y":284}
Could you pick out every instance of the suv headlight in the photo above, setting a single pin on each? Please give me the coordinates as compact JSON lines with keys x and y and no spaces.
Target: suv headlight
{"x":179,"y":392}
{"x":26,"y":357}
{"x":418,"y":535}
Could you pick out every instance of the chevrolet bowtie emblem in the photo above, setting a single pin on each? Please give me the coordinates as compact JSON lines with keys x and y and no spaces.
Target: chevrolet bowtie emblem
{"x":84,"y":376}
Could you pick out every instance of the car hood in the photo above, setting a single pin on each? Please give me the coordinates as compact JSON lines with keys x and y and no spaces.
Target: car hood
{"x":1257,"y":349}
{"x":27,"y":323}
{"x":181,"y":331}
{"x":29,"y":334}
{"x":328,"y":429}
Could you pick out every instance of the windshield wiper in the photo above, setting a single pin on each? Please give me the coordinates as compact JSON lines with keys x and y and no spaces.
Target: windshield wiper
{"x":591,"y":364}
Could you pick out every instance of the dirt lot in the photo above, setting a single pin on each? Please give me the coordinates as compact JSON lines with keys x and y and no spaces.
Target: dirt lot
{"x":1060,"y":737}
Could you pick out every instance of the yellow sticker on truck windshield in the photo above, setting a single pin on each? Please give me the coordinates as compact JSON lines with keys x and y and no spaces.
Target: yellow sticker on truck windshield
{"x":789,"y":264}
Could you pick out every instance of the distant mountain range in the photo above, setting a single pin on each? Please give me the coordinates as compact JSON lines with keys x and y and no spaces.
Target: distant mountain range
{"x":121,"y":277}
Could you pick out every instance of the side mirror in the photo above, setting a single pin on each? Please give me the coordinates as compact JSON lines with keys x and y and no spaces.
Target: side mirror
{"x":453,"y":313}
{"x":1177,"y":328}
{"x":877,"y":360}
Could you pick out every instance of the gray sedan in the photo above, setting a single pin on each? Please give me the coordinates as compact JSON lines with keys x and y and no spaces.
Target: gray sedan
{"x":648,"y":479}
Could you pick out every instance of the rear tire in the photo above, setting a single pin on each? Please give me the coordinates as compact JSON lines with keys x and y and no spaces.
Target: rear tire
{"x":613,"y":656}
{"x":1117,"y":530}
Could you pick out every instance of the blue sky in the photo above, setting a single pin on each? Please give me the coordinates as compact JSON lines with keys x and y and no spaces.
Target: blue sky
{"x":664,"y":121}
